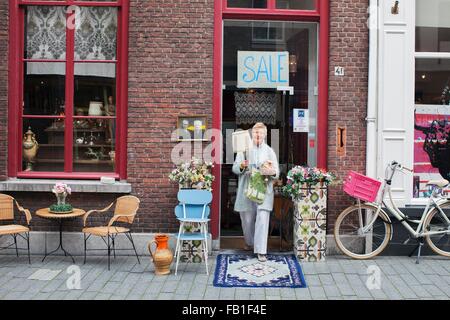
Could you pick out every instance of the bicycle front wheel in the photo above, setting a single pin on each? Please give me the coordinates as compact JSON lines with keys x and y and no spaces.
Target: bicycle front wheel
{"x":359,"y":234}
{"x":439,"y":222}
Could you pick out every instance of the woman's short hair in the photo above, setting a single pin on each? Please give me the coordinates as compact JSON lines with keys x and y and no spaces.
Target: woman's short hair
{"x":260,"y":125}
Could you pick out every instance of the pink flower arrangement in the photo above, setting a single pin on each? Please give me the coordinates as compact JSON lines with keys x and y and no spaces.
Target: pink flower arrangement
{"x":61,"y":188}
{"x":300,"y":177}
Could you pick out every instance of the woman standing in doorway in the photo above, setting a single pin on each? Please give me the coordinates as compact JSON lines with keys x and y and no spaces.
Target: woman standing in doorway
{"x":255,"y":217}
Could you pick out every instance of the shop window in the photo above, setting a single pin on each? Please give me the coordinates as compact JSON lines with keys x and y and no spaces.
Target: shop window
{"x":247,"y":4}
{"x":69,"y":91}
{"x":432,"y":94}
{"x":267,"y":31}
{"x":433,"y":26}
{"x":296,"y":4}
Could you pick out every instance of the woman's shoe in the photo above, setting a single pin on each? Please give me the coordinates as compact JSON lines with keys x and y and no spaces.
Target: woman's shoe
{"x":262,"y":257}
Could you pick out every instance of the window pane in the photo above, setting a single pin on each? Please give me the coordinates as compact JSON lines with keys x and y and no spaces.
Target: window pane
{"x":94,"y":144}
{"x":94,"y":82}
{"x":432,"y":77}
{"x":247,"y":3}
{"x":431,"y":123}
{"x":296,"y":4}
{"x":263,"y":31}
{"x":45,"y":32}
{"x":44,"y":88}
{"x":433,"y":26}
{"x":49,"y":134}
{"x":96,"y":35}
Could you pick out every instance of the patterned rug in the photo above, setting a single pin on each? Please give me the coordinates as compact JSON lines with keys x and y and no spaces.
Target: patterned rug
{"x":243,"y":270}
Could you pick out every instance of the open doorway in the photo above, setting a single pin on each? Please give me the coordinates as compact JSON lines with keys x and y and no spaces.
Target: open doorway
{"x":276,"y":107}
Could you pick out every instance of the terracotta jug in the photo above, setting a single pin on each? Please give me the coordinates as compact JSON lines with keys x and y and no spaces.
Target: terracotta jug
{"x":162,"y":256}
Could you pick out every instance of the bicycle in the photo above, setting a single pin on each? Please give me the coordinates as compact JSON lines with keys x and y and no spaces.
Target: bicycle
{"x":362,"y":231}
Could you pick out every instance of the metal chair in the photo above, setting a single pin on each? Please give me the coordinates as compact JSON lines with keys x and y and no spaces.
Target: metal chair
{"x":125,"y":212}
{"x":193,"y":208}
{"x":7,"y":213}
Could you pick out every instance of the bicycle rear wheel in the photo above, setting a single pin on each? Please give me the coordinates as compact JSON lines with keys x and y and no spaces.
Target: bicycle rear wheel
{"x":351,"y":235}
{"x":439,"y":243}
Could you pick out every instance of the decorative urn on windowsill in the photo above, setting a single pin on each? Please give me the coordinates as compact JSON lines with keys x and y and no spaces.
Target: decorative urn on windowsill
{"x":30,"y":148}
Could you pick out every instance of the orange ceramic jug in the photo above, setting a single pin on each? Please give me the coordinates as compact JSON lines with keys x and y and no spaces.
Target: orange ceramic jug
{"x":162,"y":255}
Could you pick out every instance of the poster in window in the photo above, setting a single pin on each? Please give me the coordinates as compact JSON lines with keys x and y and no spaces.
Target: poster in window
{"x":431,"y":146}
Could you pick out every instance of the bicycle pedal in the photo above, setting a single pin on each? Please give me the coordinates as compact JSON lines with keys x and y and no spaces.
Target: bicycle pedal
{"x":406,"y":241}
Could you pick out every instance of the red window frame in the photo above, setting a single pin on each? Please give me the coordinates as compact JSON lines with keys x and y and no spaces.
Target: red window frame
{"x":15,"y":97}
{"x":320,"y":15}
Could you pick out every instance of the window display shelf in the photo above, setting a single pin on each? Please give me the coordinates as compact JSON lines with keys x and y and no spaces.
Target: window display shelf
{"x":75,"y":129}
{"x":90,"y":161}
{"x":77,"y":145}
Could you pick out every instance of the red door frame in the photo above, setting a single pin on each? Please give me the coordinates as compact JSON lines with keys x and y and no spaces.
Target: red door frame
{"x":15,"y":94}
{"x":221,"y":12}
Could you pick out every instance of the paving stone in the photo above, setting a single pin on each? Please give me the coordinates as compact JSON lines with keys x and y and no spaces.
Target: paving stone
{"x":227,"y":293}
{"x":287,"y":293}
{"x":420,"y":291}
{"x":345,"y":289}
{"x":73,"y":294}
{"x":212,"y":294}
{"x":313,"y":281}
{"x":317,"y":293}
{"x":331,"y":291}
{"x":184,"y":287}
{"x":326,"y":279}
{"x":88,"y":295}
{"x":433,"y":290}
{"x":58,"y":295}
{"x":339,"y":279}
{"x":169,"y":286}
{"x":110,"y":287}
{"x":134,"y":296}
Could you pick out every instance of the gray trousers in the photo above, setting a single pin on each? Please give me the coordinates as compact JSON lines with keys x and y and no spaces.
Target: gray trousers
{"x":255,"y":225}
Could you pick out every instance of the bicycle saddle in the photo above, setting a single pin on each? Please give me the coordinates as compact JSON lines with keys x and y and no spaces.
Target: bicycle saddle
{"x":439,"y":183}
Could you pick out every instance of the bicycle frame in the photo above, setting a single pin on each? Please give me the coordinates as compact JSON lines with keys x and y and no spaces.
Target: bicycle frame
{"x":399,"y":215}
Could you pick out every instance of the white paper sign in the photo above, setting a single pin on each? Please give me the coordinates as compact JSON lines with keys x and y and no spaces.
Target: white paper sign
{"x":301,"y":120}
{"x":261,"y":69}
{"x":241,"y":141}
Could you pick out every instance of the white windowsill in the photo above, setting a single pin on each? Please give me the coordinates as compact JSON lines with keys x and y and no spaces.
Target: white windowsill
{"x":46,"y":185}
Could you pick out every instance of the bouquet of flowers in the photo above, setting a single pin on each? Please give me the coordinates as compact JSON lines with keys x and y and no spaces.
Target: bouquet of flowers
{"x":305,"y":177}
{"x":193,"y":174}
{"x":61,"y":190}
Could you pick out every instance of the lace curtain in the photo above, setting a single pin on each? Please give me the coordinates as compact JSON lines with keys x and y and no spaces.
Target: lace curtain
{"x":95,"y":39}
{"x":256,"y":107}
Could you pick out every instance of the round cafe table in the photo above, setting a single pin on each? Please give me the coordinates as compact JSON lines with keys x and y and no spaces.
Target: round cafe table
{"x":60,"y":217}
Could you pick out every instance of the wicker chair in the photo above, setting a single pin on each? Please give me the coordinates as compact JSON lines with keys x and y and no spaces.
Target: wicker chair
{"x":125,"y":211}
{"x":14,"y":230}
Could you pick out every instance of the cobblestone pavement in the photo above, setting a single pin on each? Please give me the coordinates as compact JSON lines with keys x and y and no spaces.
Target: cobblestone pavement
{"x":337,"y":278}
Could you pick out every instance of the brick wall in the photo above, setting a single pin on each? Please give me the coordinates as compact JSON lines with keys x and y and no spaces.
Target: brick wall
{"x":4,"y":14}
{"x":349,"y":48}
{"x":170,"y":74}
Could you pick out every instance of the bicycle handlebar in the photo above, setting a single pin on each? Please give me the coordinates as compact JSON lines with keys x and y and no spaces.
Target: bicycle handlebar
{"x":395,"y":164}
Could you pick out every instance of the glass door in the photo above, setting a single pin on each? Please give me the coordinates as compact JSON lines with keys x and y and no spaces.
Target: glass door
{"x":283,"y":55}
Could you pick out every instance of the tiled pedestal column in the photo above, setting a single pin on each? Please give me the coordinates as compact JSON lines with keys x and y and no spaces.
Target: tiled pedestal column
{"x":310,"y":223}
